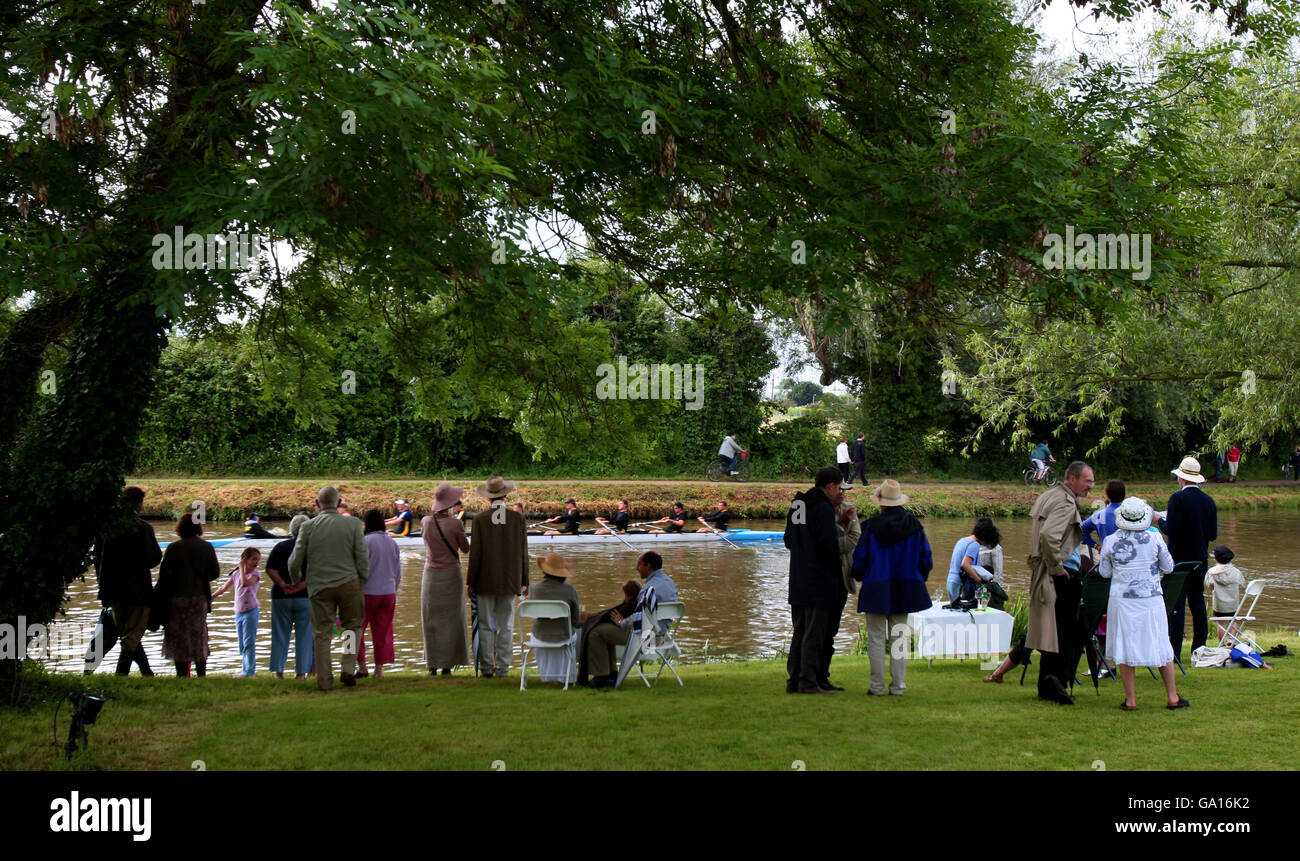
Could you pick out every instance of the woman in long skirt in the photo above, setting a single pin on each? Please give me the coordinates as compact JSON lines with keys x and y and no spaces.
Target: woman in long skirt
{"x":185,"y":582}
{"x":1137,"y":627}
{"x":442,"y":589}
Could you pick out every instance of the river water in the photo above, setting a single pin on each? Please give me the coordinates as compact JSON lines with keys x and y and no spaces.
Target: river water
{"x":735,"y":598}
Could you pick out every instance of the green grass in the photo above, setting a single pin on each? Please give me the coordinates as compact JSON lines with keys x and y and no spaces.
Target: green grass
{"x":728,"y":716}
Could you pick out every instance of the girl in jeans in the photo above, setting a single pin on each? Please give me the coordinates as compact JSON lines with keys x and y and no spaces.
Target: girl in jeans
{"x":247,"y":609}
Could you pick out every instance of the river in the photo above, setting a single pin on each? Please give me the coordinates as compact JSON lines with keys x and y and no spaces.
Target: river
{"x":735,"y":598}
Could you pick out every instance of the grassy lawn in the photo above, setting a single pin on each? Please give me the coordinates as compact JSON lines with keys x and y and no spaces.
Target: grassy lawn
{"x":728,"y":716}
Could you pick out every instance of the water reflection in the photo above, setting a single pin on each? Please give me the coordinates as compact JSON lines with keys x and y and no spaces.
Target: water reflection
{"x":735,"y":599}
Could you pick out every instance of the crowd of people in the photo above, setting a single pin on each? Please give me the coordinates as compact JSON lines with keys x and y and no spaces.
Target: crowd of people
{"x":335,"y":573}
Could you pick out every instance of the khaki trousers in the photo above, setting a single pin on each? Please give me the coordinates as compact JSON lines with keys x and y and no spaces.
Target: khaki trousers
{"x":883,"y":632}
{"x":601,"y":645}
{"x":348,"y":601}
{"x":131,"y":623}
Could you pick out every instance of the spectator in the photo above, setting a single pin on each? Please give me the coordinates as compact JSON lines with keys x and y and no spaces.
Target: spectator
{"x":185,"y":587}
{"x":331,"y":556}
{"x":124,"y":559}
{"x":816,"y":580}
{"x":605,"y":637}
{"x":498,"y":571}
{"x":442,"y":588}
{"x":1190,"y":523}
{"x":892,"y":560}
{"x":248,"y":610}
{"x":631,"y":589}
{"x":1055,"y":532}
{"x":290,"y":608}
{"x":380,"y":593}
{"x":858,"y":455}
{"x":842,"y":460}
{"x":848,"y":529}
{"x":1234,"y":460}
{"x":554,"y":586}
{"x":1101,"y":523}
{"x":1295,"y":464}
{"x":1137,"y":628}
{"x":965,"y":566}
{"x":1226,"y":582}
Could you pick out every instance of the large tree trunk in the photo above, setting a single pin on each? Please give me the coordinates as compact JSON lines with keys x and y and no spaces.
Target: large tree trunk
{"x":66,"y":472}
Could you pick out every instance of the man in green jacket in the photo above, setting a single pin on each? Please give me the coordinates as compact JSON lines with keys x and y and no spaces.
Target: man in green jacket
{"x":332,"y":549}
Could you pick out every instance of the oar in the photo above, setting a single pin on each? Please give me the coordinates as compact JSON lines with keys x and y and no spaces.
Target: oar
{"x":537,"y":525}
{"x":644,"y":523}
{"x":720,"y":535}
{"x":616,"y":535}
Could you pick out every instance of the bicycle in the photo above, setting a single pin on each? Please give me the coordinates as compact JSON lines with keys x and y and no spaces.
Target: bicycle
{"x":718,"y":469}
{"x":1049,"y":478}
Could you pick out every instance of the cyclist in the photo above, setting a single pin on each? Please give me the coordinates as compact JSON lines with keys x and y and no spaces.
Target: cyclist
{"x":1041,"y":456}
{"x":731,"y":452}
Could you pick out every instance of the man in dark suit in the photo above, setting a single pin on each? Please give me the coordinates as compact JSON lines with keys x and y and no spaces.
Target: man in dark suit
{"x":1191,"y":523}
{"x":817,"y":588}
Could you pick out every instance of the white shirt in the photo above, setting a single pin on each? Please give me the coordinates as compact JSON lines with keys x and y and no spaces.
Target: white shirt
{"x":842,"y":453}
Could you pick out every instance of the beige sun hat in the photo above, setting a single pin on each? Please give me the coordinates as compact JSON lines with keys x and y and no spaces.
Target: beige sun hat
{"x":496,"y":488}
{"x":1189,"y":470}
{"x":445,"y":496}
{"x":889,"y":493}
{"x":555,"y":565}
{"x":1133,"y":515}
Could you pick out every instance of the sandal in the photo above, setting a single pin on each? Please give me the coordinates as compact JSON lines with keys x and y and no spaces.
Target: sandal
{"x":1182,"y":704}
{"x":1123,"y":704}
{"x":990,"y":678}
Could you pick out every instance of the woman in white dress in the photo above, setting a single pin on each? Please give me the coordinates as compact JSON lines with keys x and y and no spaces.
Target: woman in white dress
{"x":1137,"y":627}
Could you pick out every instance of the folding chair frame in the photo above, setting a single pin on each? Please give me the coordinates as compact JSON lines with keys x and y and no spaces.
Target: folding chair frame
{"x":665,"y":647}
{"x":1091,"y":620}
{"x":1173,"y":596}
{"x":532,"y":644}
{"x":1232,"y":630}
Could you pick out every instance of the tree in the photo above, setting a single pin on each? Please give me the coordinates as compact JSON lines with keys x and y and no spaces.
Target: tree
{"x":804,"y":393}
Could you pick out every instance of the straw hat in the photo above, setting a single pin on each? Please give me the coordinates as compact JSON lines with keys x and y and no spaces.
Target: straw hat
{"x":889,"y":493}
{"x":445,"y":496}
{"x":1189,"y":470}
{"x":1133,"y":515}
{"x":555,"y":565}
{"x":496,"y":488}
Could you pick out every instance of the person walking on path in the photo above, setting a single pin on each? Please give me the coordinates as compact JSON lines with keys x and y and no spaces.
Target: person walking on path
{"x":248,"y":610}
{"x":893,"y":559}
{"x":848,"y":529}
{"x":380,"y":594}
{"x":842,"y":461}
{"x":124,"y":561}
{"x":1055,"y":532}
{"x":816,"y":580}
{"x":498,"y":571}
{"x":290,"y":608}
{"x":858,"y":455}
{"x":1190,"y":523}
{"x":331,"y":556}
{"x":442,"y":587}
{"x":1234,"y":460}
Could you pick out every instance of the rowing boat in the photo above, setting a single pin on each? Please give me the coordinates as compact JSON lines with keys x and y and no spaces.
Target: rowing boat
{"x":644,"y":539}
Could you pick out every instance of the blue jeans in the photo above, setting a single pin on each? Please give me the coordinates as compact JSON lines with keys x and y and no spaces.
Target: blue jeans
{"x":246,"y":626}
{"x":292,"y":613}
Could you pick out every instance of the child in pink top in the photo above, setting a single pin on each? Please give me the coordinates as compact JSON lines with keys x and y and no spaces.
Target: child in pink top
{"x":247,"y":608}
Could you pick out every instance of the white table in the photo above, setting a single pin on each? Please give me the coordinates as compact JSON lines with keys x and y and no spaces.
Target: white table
{"x":948,"y":633}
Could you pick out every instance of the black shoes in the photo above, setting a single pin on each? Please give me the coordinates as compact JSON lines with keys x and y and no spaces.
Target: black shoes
{"x":349,"y":680}
{"x":1052,"y":689}
{"x":829,"y":686}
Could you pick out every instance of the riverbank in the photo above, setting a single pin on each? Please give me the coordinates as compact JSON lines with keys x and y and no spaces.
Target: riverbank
{"x":733,"y":716}
{"x":278,"y":499}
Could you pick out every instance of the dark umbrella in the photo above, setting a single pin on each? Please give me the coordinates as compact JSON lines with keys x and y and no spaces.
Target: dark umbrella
{"x":473,"y":627}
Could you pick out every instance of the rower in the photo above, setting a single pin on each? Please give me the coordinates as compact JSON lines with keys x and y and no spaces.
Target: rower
{"x":674,"y":521}
{"x":620,"y":521}
{"x":718,"y":518}
{"x":254,"y":529}
{"x":344,"y":510}
{"x":570,"y":521}
{"x":403,"y":521}
{"x":458,"y":511}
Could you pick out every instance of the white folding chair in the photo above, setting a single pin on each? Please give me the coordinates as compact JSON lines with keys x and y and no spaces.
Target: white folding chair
{"x":1230,"y":633}
{"x":651,"y":645}
{"x":545,"y":610}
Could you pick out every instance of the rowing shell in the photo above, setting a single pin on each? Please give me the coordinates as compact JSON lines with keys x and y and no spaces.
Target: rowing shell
{"x":646,"y":539}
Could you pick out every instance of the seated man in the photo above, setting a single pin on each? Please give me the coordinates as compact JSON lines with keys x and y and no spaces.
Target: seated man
{"x":605,"y":637}
{"x":569,"y":521}
{"x":620,"y":521}
{"x":403,"y":521}
{"x":718,"y":518}
{"x":674,"y":521}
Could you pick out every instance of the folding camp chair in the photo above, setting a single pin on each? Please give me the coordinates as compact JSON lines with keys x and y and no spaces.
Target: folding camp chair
{"x":1096,"y":598}
{"x":649,"y":644}
{"x":1172,"y":585}
{"x":545,"y":610}
{"x":1230,"y":634}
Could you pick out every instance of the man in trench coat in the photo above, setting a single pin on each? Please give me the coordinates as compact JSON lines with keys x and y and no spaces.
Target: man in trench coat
{"x":1055,"y":531}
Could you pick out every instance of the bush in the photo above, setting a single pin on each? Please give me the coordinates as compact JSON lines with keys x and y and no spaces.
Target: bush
{"x":798,"y":447}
